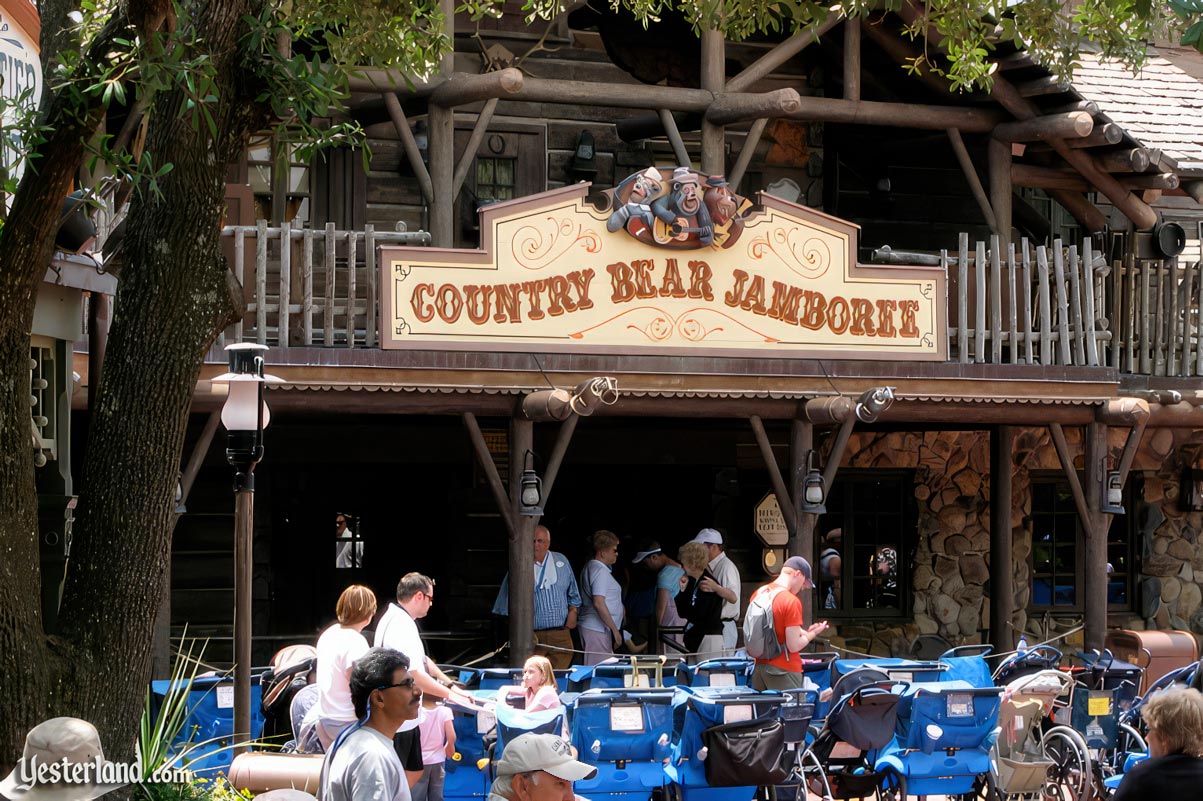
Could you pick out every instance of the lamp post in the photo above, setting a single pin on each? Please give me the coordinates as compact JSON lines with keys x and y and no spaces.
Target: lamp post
{"x":245,"y":415}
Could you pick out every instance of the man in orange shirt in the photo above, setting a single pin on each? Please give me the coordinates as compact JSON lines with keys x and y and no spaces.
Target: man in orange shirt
{"x":784,"y":671}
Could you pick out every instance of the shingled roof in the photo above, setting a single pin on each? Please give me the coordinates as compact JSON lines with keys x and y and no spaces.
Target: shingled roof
{"x":1161,"y":105}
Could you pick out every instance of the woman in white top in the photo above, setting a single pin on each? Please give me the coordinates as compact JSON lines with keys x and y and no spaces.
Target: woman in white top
{"x":601,"y":615}
{"x":337,"y":649}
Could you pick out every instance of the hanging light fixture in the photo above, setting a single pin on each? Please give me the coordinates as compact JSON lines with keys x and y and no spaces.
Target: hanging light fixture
{"x":813,"y":493}
{"x":531,"y":496}
{"x":1113,"y":494}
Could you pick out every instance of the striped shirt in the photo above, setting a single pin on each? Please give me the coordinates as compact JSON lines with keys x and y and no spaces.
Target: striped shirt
{"x":551,"y":602}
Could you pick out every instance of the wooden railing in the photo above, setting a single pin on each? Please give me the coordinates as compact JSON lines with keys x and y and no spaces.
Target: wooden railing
{"x":307,"y":287}
{"x":1029,"y":305}
{"x":1064,"y":306}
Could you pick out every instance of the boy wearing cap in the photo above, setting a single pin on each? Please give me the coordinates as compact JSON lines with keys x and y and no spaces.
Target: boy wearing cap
{"x":728,"y":587}
{"x":784,"y":671}
{"x":538,"y":767}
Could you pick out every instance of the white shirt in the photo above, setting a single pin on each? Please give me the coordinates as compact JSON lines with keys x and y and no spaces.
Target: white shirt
{"x":337,"y":649}
{"x":399,"y":631}
{"x":364,"y":768}
{"x":728,"y":575}
{"x":596,"y":579}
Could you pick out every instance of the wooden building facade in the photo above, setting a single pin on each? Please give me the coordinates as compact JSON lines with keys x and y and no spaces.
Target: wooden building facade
{"x":1063,"y":362}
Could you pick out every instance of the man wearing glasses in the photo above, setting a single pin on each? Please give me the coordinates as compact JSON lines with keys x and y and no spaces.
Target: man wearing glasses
{"x":362,"y":765}
{"x":398,"y":629}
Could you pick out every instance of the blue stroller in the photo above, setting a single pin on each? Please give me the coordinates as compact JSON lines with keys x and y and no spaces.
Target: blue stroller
{"x":725,"y":671}
{"x":728,"y":742}
{"x":626,"y":735}
{"x":619,"y":673}
{"x":944,"y":735}
{"x":860,"y":723}
{"x":467,"y":773}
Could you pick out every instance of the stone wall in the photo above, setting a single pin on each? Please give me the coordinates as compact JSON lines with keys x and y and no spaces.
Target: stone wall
{"x":951,"y":564}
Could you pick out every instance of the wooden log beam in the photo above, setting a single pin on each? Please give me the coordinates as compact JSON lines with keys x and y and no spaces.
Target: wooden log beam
{"x":461,"y":89}
{"x":1134,"y":160}
{"x":1002,"y":90}
{"x":975,"y":183}
{"x":468,"y":157}
{"x":1071,"y":125}
{"x":1032,"y":175}
{"x":441,"y":126}
{"x":746,"y":152}
{"x":1104,"y":135}
{"x":851,"y":59}
{"x":1194,"y":189}
{"x":1020,"y":59}
{"x":485,"y":459}
{"x":899,"y":115}
{"x":674,"y":138}
{"x":1048,"y":85}
{"x":1086,"y":213}
{"x":739,"y":107}
{"x":1164,"y":180}
{"x":1071,"y":472}
{"x":785,"y":499}
{"x":410,"y":145}
{"x":782,"y":53}
{"x":563,"y":437}
{"x":1089,"y":106}
{"x":653,"y":98}
{"x":378,"y":81}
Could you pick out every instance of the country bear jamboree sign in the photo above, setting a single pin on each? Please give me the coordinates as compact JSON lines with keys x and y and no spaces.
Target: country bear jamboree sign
{"x":676,"y":264}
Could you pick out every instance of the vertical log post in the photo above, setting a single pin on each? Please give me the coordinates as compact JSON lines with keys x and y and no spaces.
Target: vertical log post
{"x":802,"y":543}
{"x":851,"y":59}
{"x":522,"y":549}
{"x":713,"y":79}
{"x":999,"y":160}
{"x":1002,"y":440}
{"x":1096,"y":527}
{"x":441,"y":136}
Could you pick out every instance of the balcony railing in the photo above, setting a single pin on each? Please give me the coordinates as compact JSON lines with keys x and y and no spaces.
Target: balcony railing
{"x":1058,"y":305}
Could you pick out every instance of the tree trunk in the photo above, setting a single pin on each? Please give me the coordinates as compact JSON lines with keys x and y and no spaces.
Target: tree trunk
{"x":172,"y":302}
{"x":29,"y":671}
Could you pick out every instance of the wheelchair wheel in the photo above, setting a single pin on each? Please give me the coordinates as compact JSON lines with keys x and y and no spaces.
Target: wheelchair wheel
{"x":1127,"y":741}
{"x":1069,"y":778}
{"x":892,"y":787}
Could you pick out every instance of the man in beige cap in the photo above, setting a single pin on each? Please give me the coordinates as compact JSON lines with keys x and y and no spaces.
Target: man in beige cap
{"x":538,"y":767}
{"x":62,"y":761}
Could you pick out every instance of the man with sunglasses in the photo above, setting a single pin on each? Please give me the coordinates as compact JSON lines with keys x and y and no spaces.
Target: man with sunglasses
{"x":398,"y":629}
{"x":362,"y":764}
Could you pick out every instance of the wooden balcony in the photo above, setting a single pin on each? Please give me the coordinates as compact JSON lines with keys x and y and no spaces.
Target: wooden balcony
{"x":1060,"y":305}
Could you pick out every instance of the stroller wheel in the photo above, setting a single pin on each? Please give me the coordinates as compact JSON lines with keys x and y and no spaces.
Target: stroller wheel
{"x":1069,"y":777}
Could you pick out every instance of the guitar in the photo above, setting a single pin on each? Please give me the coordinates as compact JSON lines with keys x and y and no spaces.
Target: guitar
{"x":663,"y":232}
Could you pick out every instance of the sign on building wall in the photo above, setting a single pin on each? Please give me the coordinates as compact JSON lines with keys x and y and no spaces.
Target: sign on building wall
{"x":20,"y":75}
{"x":769,"y":523}
{"x":675,"y":264}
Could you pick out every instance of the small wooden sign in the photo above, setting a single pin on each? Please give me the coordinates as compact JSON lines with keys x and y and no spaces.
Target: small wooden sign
{"x":770,"y":523}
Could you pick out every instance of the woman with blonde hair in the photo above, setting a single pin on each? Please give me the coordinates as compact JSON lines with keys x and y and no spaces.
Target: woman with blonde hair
{"x":1174,"y":768}
{"x":703,"y":611}
{"x":337,"y":649}
{"x":602,"y":613}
